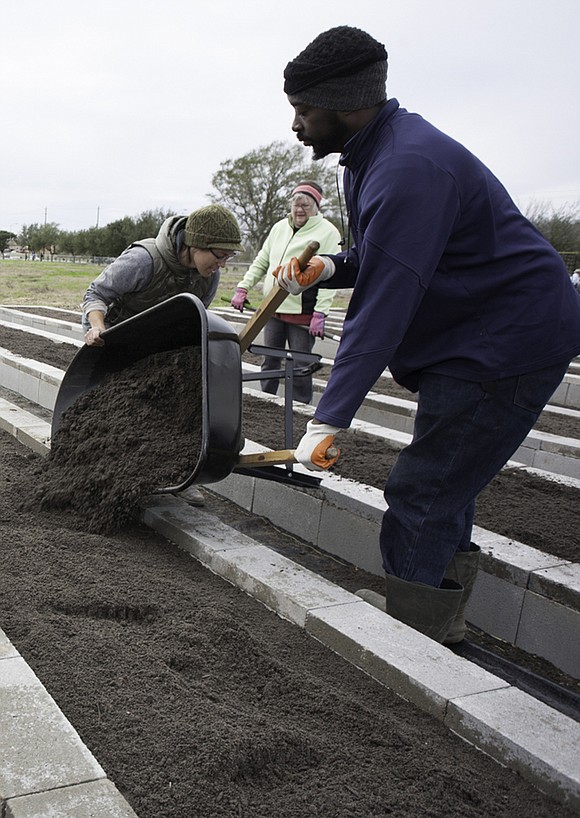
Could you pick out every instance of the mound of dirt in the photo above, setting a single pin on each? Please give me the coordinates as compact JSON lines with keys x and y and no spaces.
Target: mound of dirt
{"x":138,"y":431}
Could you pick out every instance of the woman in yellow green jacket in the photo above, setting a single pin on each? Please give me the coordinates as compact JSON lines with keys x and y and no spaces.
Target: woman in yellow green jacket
{"x":300,"y":319}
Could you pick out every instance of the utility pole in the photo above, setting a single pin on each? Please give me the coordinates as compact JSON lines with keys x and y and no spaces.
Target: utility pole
{"x":45,"y":210}
{"x":98,"y":211}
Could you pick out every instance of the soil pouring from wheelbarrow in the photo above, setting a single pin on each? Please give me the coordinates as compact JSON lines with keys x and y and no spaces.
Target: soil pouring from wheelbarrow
{"x":183,"y":321}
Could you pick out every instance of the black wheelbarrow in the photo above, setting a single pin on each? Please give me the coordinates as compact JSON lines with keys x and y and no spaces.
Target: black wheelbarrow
{"x":178,"y":322}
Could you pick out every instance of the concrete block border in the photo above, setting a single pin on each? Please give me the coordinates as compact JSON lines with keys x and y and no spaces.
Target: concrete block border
{"x":43,"y":762}
{"x":343,"y":518}
{"x":505,"y":723}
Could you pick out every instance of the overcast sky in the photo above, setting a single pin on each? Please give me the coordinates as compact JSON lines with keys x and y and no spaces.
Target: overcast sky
{"x":114,"y":107}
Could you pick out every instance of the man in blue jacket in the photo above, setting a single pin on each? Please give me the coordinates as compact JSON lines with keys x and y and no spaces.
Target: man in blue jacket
{"x":454,"y":290}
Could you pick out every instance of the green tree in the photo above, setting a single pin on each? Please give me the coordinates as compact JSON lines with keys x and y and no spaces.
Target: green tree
{"x":40,"y":238}
{"x":561,"y":227}
{"x":148,"y":223}
{"x":5,"y":239}
{"x":91,"y":242}
{"x":117,"y":236}
{"x":72,"y":242}
{"x":256,"y":187}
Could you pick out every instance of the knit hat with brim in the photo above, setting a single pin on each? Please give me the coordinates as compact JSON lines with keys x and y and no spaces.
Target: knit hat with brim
{"x":213,"y":227}
{"x":343,"y":69}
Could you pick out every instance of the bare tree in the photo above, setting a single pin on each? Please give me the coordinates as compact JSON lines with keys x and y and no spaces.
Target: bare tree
{"x":256,"y":187}
{"x":561,"y":227}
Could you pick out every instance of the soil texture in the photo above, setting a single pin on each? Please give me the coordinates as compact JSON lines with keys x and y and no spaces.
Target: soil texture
{"x":516,"y":504}
{"x":124,"y":439}
{"x":196,"y":700}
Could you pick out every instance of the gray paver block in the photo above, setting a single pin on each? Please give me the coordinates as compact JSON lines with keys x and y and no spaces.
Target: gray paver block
{"x":295,"y":511}
{"x":363,"y":501}
{"x":8,"y":373}
{"x":194,"y":530}
{"x":28,"y":385}
{"x":351,"y":537}
{"x":560,"y":583}
{"x":47,"y":393}
{"x":551,"y":630}
{"x":13,"y":417}
{"x":280,"y":584}
{"x":495,"y":606}
{"x":573,"y":395}
{"x":36,"y":437}
{"x":7,"y":649}
{"x":525,"y":455}
{"x":538,"y":742}
{"x":409,"y":663}
{"x":509,"y":559}
{"x":25,"y":427}
{"x":39,"y":749}
{"x":238,"y":488}
{"x":559,"y":463}
{"x":95,"y":799}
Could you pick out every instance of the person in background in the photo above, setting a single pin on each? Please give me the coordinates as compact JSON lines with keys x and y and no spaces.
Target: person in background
{"x":185,"y":257}
{"x":300,"y":319}
{"x":454,"y":290}
{"x":575,"y":279}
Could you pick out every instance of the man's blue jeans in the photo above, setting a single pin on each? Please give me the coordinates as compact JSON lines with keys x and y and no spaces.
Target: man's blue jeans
{"x":464,"y":433}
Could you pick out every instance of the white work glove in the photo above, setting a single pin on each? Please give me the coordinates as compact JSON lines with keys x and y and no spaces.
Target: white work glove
{"x":312,"y":451}
{"x":291,"y":278}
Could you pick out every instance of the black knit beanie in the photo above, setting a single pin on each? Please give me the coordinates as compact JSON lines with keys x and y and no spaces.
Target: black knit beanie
{"x":343,"y":69}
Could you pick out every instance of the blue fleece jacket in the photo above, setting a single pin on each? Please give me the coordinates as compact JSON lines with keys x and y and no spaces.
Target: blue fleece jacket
{"x":448,"y":275}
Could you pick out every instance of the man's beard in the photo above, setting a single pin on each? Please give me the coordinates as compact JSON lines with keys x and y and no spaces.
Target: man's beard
{"x":338,"y":136}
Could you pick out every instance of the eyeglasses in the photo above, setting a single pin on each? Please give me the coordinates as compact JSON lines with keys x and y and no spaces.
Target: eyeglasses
{"x":222,"y":256}
{"x":303,"y":203}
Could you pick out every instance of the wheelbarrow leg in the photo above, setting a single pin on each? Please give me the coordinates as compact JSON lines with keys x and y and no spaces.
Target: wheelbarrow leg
{"x":288,"y":401}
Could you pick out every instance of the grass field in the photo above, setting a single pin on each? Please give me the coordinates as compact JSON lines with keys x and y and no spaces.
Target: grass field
{"x":62,"y":284}
{"x":46,"y":283}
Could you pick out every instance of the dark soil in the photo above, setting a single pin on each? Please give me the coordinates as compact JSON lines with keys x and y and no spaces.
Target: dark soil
{"x":104,"y":459}
{"x":198,"y":701}
{"x":516,"y":504}
{"x":195,"y":699}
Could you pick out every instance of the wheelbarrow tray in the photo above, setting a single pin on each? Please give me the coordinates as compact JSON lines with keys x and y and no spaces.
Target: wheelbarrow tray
{"x":178,"y":322}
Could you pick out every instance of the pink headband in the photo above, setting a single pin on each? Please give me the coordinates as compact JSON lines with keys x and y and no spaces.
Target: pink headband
{"x":310,"y":191}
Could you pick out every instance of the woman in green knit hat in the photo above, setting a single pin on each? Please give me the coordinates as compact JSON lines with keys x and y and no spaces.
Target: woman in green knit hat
{"x":185,"y":257}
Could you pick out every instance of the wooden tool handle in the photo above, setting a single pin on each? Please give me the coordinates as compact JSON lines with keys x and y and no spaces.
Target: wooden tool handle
{"x":271,"y":303}
{"x":278,"y":458}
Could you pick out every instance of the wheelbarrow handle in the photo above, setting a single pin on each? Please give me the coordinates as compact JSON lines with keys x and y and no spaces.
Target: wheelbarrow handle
{"x":270,"y":304}
{"x":277,"y":458}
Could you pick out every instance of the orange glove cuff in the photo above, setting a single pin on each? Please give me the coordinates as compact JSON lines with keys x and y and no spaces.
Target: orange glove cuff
{"x":320,"y":453}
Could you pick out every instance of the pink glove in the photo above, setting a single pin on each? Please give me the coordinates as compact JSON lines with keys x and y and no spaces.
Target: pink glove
{"x":239,"y":299}
{"x":317,"y":324}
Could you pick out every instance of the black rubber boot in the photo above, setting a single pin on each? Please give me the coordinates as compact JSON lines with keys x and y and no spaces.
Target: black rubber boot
{"x":462,"y":569}
{"x":425,"y":608}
